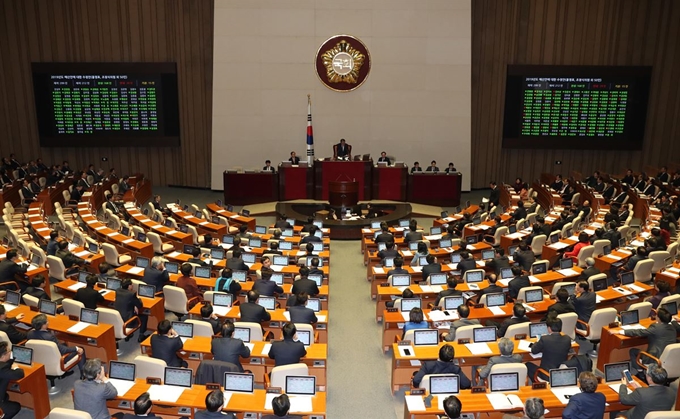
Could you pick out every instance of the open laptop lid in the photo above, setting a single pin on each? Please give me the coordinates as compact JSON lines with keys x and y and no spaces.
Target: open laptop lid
{"x":452,"y":303}
{"x":239,"y":382}
{"x":407,"y":304}
{"x":630,"y":317}
{"x":89,"y":316}
{"x":22,"y":355}
{"x":242,"y":333}
{"x":180,"y":377}
{"x":425,"y":337}
{"x":444,"y":384}
{"x":614,"y":371}
{"x":508,"y":381}
{"x":184,"y":330}
{"x":484,"y":334}
{"x":564,"y":377}
{"x":122,"y":370}
{"x":538,"y":329}
{"x":303,"y":385}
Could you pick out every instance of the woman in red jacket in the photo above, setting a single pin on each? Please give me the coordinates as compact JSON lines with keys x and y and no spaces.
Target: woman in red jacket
{"x":582,"y":242}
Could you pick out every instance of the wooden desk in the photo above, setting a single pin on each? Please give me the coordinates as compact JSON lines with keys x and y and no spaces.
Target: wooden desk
{"x":232,"y":216}
{"x":102,"y":233}
{"x":250,"y":188}
{"x":202,"y":226}
{"x":174,"y":237}
{"x":330,"y":171}
{"x":295,"y":182}
{"x":390,"y":183}
{"x":435,"y":189}
{"x":31,"y":391}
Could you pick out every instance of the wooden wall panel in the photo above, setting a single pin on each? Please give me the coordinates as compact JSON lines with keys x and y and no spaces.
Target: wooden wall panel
{"x":572,"y":32}
{"x":178,"y":31}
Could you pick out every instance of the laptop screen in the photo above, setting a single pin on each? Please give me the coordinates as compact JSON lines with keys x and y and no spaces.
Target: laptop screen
{"x":239,"y":382}
{"x":22,"y":355}
{"x":401,"y":280}
{"x":426,"y":337}
{"x":202,"y":272}
{"x":288,"y":232}
{"x":245,"y":212}
{"x":184,"y":330}
{"x":672,"y":307}
{"x":239,"y":276}
{"x":280,"y":260}
{"x":445,"y":243}
{"x":13,"y":298}
{"x":290,"y":221}
{"x":409,"y":303}
{"x":168,"y":223}
{"x":255,"y":242}
{"x":35,"y":259}
{"x":304,"y":337}
{"x":222,"y":299}
{"x":403,"y":223}
{"x":567,"y":263}
{"x":300,"y":384}
{"x":125,"y":231}
{"x":217,"y":254}
{"x":261,"y":229}
{"x":89,"y":316}
{"x":606,"y":250}
{"x":563,"y":377}
{"x":178,"y":377}
{"x":600,"y":284}
{"x":188,"y":248}
{"x":554,"y":238}
{"x":382,"y":246}
{"x":622,"y":242}
{"x":318,"y":246}
{"x":438,"y":279}
{"x":512,"y":250}
{"x":242,"y":333}
{"x":183,"y":228}
{"x":435,"y":230}
{"x":413,"y":246}
{"x":122,"y":370}
{"x":538,"y":268}
{"x":506,"y":273}
{"x":283,"y":245}
{"x":319,"y":234}
{"x":319,"y":224}
{"x":142,"y":262}
{"x":504,"y":382}
{"x":140,"y":237}
{"x":172,"y":267}
{"x":571,"y":288}
{"x":444,"y":384}
{"x":375,"y":224}
{"x":614,"y":371}
{"x":317,"y":278}
{"x":474,"y":276}
{"x":228,"y":239}
{"x":269,"y":303}
{"x":314,"y":304}
{"x":455,"y":258}
{"x":512,"y":229}
{"x":444,"y":214}
{"x":533,"y":296}
{"x":277,"y":277}
{"x":93,"y":248}
{"x":484,"y":334}
{"x":452,"y":303}
{"x":47,"y":307}
{"x":538,"y":329}
{"x":471,"y":239}
{"x":248,"y":257}
{"x":76,"y":240}
{"x":488,"y":254}
{"x":493,"y":300}
{"x":145,"y":290}
{"x":630,"y":317}
{"x":627,"y":278}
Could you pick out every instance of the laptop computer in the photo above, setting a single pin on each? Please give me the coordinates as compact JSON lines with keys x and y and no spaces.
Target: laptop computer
{"x":630,"y":317}
{"x":474,"y":276}
{"x":533,"y":296}
{"x":401,"y":280}
{"x":452,"y":303}
{"x":627,"y":278}
{"x":317,"y":223}
{"x":567,"y":263}
{"x":284,"y":245}
{"x":202,"y":272}
{"x":444,"y":384}
{"x":239,"y":382}
{"x":89,"y":316}
{"x":93,"y":248}
{"x":180,"y":377}
{"x":217,"y":254}
{"x":269,"y":303}
{"x":319,"y":234}
{"x":291,"y":221}
{"x":228,"y":239}
{"x":512,"y":250}
{"x":413,"y":246}
{"x":172,"y":267}
{"x":277,"y":277}
{"x":508,"y":381}
{"x":563,"y":377}
{"x":184,"y":330}
{"x":255,"y":242}
{"x":484,"y":334}
{"x":438,"y":279}
{"x":554,"y":238}
{"x":168,"y":223}
{"x":607,"y":249}
{"x":426,"y":337}
{"x":140,"y":237}
{"x":538,"y":329}
{"x":12,"y":300}
{"x":222,"y":299}
{"x":261,"y":229}
{"x":142,"y":262}
{"x":444,"y":214}
{"x":571,"y":288}
{"x":318,"y":246}
{"x":600,"y":284}
{"x":22,"y":355}
{"x":188,"y":249}
{"x":382,"y":246}
{"x":495,"y":300}
{"x":304,"y":336}
{"x":183,"y":228}
{"x":488,"y":254}
{"x":672,"y":307}
{"x":538,"y":268}
{"x":280,"y":260}
{"x":455,"y":258}
{"x":240,"y":276}
{"x":314,"y":304}
{"x":445,"y":243}
{"x":409,"y":303}
{"x":242,"y":333}
{"x":506,"y":273}
{"x":145,"y":290}
{"x":434,"y":231}
{"x":287,"y":232}
{"x":375,"y":225}
{"x":512,"y":229}
{"x":245,"y":213}
{"x":125,"y":231}
{"x":404,"y":223}
{"x":47,"y":307}
{"x":302,"y":385}
{"x":317,"y":278}
{"x":471,"y":239}
{"x":614,"y":371}
{"x":35,"y":260}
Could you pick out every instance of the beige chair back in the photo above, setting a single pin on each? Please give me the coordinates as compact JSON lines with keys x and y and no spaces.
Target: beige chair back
{"x":149,"y":367}
{"x":517,"y":367}
{"x":175,"y":299}
{"x":279,"y":374}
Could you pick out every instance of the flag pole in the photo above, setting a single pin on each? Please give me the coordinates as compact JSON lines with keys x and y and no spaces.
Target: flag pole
{"x":310,"y":133}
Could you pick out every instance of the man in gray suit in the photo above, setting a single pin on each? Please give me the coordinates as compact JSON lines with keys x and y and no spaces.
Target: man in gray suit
{"x":463,"y":313}
{"x":506,"y":346}
{"x":229,"y":349}
{"x":656,"y":397}
{"x":659,"y":335}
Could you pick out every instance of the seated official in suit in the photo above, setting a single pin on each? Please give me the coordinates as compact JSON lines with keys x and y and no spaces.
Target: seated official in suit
{"x":299,"y":313}
{"x":225,"y":283}
{"x":268,"y":167}
{"x":463,"y":314}
{"x":29,"y":196}
{"x":589,"y":271}
{"x":243,"y":232}
{"x":422,"y":251}
{"x":69,"y":259}
{"x":227,"y":348}
{"x":534,"y":408}
{"x":451,"y":283}
{"x":432,"y":167}
{"x":196,"y":257}
{"x":89,"y":296}
{"x":40,"y":332}
{"x":385,"y":236}
{"x":520,"y":280}
{"x":52,"y":244}
{"x":493,"y":288}
{"x":287,"y":351}
{"x":166,"y":343}
{"x":466,"y":263}
{"x":235,"y":263}
{"x":432,"y":267}
{"x":388,"y":252}
{"x":304,"y":284}
{"x":208,"y":242}
{"x":10,"y":267}
{"x":588,"y":404}
{"x":413,"y":235}
{"x":506,"y":346}
{"x":663,"y":289}
{"x":311,"y":237}
{"x":156,"y":274}
{"x":214,"y":402}
{"x":555,"y":348}
{"x":37,"y":288}
{"x":520,"y":212}
{"x":129,"y":305}
{"x":450,"y":169}
{"x":519,"y":315}
{"x":281,"y":406}
{"x":499,"y":262}
{"x":659,"y":335}
{"x":208,"y":316}
{"x":444,"y":365}
{"x":274,"y":249}
{"x":142,"y":408}
{"x":416,"y":167}
{"x":106,"y":271}
{"x":91,"y":392}
{"x":253,"y":312}
{"x":7,"y":325}
{"x":294,"y":158}
{"x":584,"y":301}
{"x":398,"y":267}
{"x":314,"y":268}
{"x":342,"y":150}
{"x":266,"y":286}
{"x":561,"y":306}
{"x":384,"y":159}
{"x":189,"y":284}
{"x":8,"y":373}
{"x":655,"y":397}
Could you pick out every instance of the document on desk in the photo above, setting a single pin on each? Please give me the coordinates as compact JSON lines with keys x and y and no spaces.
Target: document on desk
{"x":598,"y":298}
{"x":616,"y":387}
{"x":433,"y":237}
{"x":622,"y":290}
{"x":636,"y":288}
{"x":286,"y":314}
{"x":533,"y":279}
{"x":403,"y":349}
{"x":633,"y":327}
{"x":302,"y":404}
{"x":437,"y":288}
{"x":128,"y":241}
{"x":637,"y":243}
{"x":100,"y":228}
{"x":452,"y":266}
{"x":439,"y":316}
{"x":567,"y":272}
{"x":173,"y":254}
{"x":378,"y":270}
{"x":478,"y":348}
{"x":562,"y":392}
{"x":558,"y":245}
{"x":122,"y":386}
{"x":77,"y":286}
{"x":82,"y":253}
{"x":415,"y":403}
{"x":10,"y":307}
{"x":675,"y":271}
{"x":162,"y":393}
{"x":417,"y":268}
{"x":426,"y":289}
{"x":135,"y":270}
{"x":277,"y":268}
{"x":321,"y":318}
{"x":221,"y":310}
{"x":498,"y":311}
{"x":170,"y":232}
{"x":501,"y":401}
{"x":470,"y":247}
{"x":407,"y":253}
{"x":76,"y":328}
{"x":249,"y":345}
{"x":227,"y":397}
{"x":613,"y":257}
{"x":32,"y":268}
{"x":473,"y":286}
{"x":504,"y":282}
{"x":523,"y":345}
{"x":266,"y":348}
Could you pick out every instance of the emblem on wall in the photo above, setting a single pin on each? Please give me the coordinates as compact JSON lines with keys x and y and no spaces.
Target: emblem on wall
{"x":342,"y":63}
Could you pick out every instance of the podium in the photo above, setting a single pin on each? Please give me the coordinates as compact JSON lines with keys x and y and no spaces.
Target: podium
{"x":351,"y":171}
{"x":343,"y":194}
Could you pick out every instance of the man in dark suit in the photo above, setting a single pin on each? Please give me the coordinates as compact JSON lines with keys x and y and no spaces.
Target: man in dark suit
{"x":266,"y":286}
{"x":305,"y":284}
{"x":311,"y":237}
{"x":196,"y":257}
{"x":294,"y":159}
{"x":463,"y":314}
{"x":214,"y":402}
{"x":524,"y":256}
{"x":432,"y":267}
{"x":584,"y":301}
{"x":129,"y":305}
{"x":208,"y":316}
{"x":450,"y":290}
{"x":655,"y":397}
{"x":6,"y":325}
{"x":608,"y":192}
{"x":142,"y":408}
{"x":37,"y":288}
{"x":518,"y":282}
{"x":398,"y":267}
{"x":27,"y":192}
{"x":274,"y":249}
{"x":280,"y":406}
{"x":413,"y":234}
{"x":268,"y":167}
{"x":235,"y":263}
{"x":10,"y":267}
{"x":520,"y":212}
{"x":155,"y":274}
{"x":518,"y":316}
{"x":7,"y":374}
{"x":287,"y":351}
{"x":314,"y":268}
{"x":589,"y":271}
{"x":492,"y":288}
{"x":385,"y":236}
{"x":443,"y":365}
{"x":89,"y":296}
{"x":432,"y":167}
{"x":299,"y":313}
{"x":52,"y":244}
{"x":555,"y":347}
{"x":227,"y":348}
{"x":466,"y":263}
{"x":82,"y":180}
{"x":499,"y":262}
{"x":388,"y":252}
{"x":561,"y":306}
{"x":494,"y":195}
{"x":166,"y":343}
{"x":557,"y":184}
{"x":640,"y":254}
{"x":69,"y":259}
{"x":659,"y":335}
{"x":40,"y":332}
{"x":384,"y":159}
{"x":587,"y":404}
{"x":253,"y":312}
{"x":343,"y":150}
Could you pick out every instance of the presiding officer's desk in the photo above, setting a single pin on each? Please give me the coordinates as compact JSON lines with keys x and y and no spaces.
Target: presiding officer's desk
{"x":31,"y":391}
{"x":193,"y":399}
{"x":279,"y":317}
{"x":197,"y":349}
{"x":403,"y":367}
{"x":98,"y":341}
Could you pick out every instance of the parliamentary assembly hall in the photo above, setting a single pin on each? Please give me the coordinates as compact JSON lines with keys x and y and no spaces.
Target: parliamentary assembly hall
{"x":339,"y":209}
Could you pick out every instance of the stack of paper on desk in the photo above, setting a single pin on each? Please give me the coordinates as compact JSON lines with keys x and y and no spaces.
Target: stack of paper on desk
{"x":478,"y":348}
{"x":501,"y":401}
{"x":415,"y":403}
{"x":562,"y":392}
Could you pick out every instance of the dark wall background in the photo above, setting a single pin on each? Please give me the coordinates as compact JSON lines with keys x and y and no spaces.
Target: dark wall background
{"x":587,"y":32}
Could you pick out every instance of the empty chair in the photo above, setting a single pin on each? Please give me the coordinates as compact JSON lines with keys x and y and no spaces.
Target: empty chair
{"x":565,"y":230}
{"x":644,"y":309}
{"x":159,"y":247}
{"x":669,"y":360}
{"x":517,"y":367}
{"x":643,"y":270}
{"x":598,"y":246}
{"x":194,"y":233}
{"x":516,"y":329}
{"x":595,"y":278}
{"x":541,"y":262}
{"x":521,"y":295}
{"x":62,"y":413}
{"x":176,"y":300}
{"x":537,"y":244}
{"x":30,"y":300}
{"x":466,"y":332}
{"x":583,"y":254}
{"x":255,"y":330}
{"x":195,"y":208}
{"x":279,"y":374}
{"x":569,"y":324}
{"x":500,"y":232}
{"x":599,"y":319}
{"x":121,"y":329}
{"x":112,"y":257}
{"x":159,"y":216}
{"x":673,"y":249}
{"x":56,"y":267}
{"x":72,"y":307}
{"x":659,"y":257}
{"x":149,"y":367}
{"x":40,"y":253}
{"x":201,"y":327}
{"x":47,"y":353}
